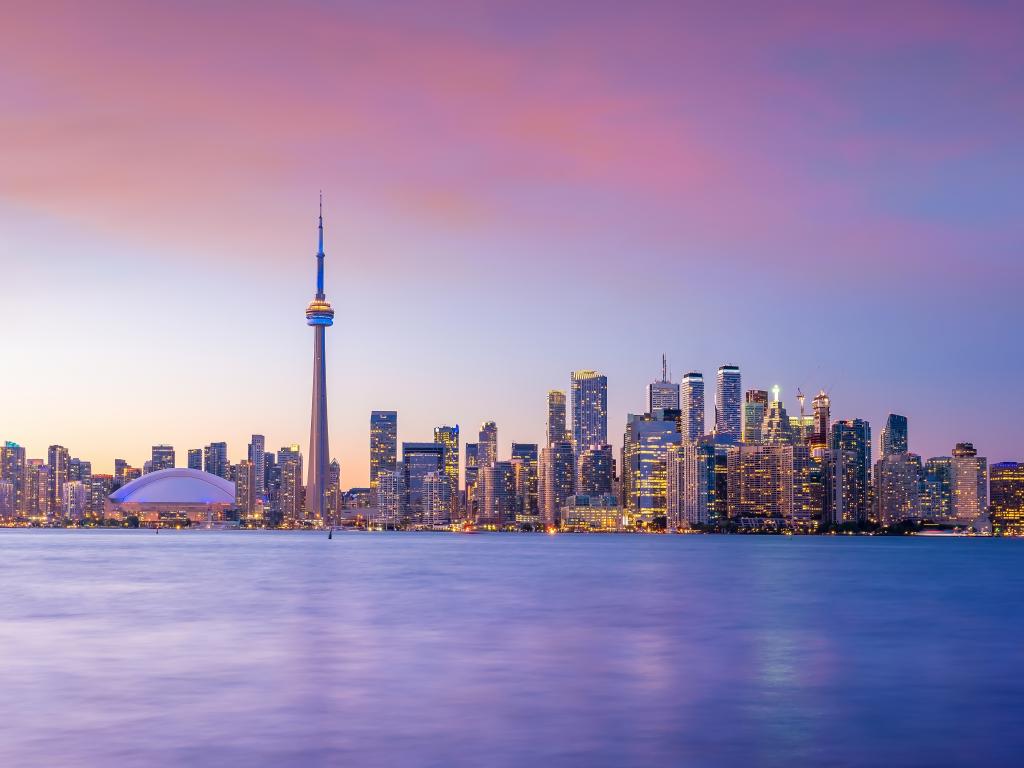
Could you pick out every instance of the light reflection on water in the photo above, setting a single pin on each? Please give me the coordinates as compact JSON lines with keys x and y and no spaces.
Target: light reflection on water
{"x":204,"y":648}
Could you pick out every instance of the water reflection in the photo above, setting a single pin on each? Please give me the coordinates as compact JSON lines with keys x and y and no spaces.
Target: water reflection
{"x":121,"y":648}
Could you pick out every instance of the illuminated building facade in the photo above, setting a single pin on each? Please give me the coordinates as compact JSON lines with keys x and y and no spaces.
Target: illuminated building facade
{"x":215,"y":460}
{"x":589,"y":408}
{"x":472,"y":475}
{"x":525,"y":465}
{"x":257,"y":454}
{"x":594,"y":469}
{"x":418,"y":460}
{"x":556,"y":480}
{"x":592,"y":513}
{"x":487,"y":444}
{"x":760,"y":485}
{"x":497,"y":496}
{"x":1006,"y":490}
{"x":775,"y":427}
{"x":646,"y":445}
{"x":57,"y":459}
{"x":383,"y":443}
{"x":969,"y":483}
{"x":389,"y":497}
{"x":692,"y":405}
{"x":436,"y":499}
{"x":245,"y":489}
{"x":728,"y":408}
{"x":755,"y":402}
{"x":555,"y":426}
{"x":449,"y":438}
{"x":894,"y":437}
{"x":173,"y":497}
{"x":73,"y":501}
{"x":897,"y":479}
{"x":195,"y":459}
{"x":690,"y":483}
{"x":849,"y":474}
{"x":937,"y":489}
{"x":162,"y":457}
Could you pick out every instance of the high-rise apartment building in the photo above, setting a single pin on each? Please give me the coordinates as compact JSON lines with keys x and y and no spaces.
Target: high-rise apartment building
{"x":487,"y":444}
{"x":594,"y":469}
{"x":497,"y":495}
{"x":257,"y":454}
{"x":755,"y":403}
{"x":472,"y":475}
{"x":820,"y":433}
{"x":418,"y":460}
{"x":556,"y":417}
{"x":775,"y":426}
{"x":162,"y":457}
{"x":57,"y":459}
{"x":894,"y":435}
{"x":449,"y":438}
{"x":556,"y":480}
{"x":645,"y":449}
{"x":848,"y":475}
{"x":969,"y":483}
{"x":897,"y":481}
{"x":215,"y":460}
{"x":389,"y":497}
{"x":728,"y":407}
{"x":383,"y":443}
{"x":525,"y":459}
{"x":760,"y":485}
{"x":690,"y":483}
{"x":195,"y":460}
{"x":692,"y":406}
{"x":937,"y":489}
{"x":437,"y":505}
{"x":589,"y":391}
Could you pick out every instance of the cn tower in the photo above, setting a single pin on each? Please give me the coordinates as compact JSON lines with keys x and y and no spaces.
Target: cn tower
{"x":320,"y":315}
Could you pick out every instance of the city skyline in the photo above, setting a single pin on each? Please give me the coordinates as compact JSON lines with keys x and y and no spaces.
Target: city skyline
{"x":151,"y":294}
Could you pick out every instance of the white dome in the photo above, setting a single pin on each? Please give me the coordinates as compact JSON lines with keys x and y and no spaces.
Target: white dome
{"x":176,"y":486}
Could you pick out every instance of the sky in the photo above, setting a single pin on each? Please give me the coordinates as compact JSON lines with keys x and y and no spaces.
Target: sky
{"x":828,"y":195}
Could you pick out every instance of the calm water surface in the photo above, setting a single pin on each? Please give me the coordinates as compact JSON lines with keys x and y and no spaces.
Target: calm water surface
{"x":127,"y":648}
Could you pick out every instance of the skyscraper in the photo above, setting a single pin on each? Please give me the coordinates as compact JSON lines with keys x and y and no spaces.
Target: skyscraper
{"x":215,"y":460}
{"x":57,"y":460}
{"x":594,"y":470}
{"x":556,"y":417}
{"x":969,"y":484}
{"x":320,"y":315}
{"x":775,"y":427}
{"x":497,"y":495}
{"x":820,"y":432}
{"x":162,"y":458}
{"x":645,"y":447}
{"x":937,"y":489}
{"x":195,"y":460}
{"x":728,"y":408}
{"x":436,"y":499}
{"x":1006,"y":490}
{"x":755,"y":403}
{"x":449,"y":438}
{"x":383,"y":443}
{"x":894,"y":435}
{"x":418,"y":460}
{"x":589,"y":409}
{"x":690,"y":483}
{"x":257,"y":456}
{"x":897,"y":479}
{"x":849,"y":473}
{"x":472,"y":475}
{"x":662,"y":393}
{"x":524,"y":467}
{"x":556,"y":478}
{"x":760,"y":485}
{"x":693,"y":406}
{"x":487,"y":447}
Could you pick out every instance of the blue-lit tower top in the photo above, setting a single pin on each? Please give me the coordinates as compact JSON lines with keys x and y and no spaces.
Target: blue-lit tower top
{"x":319,"y":311}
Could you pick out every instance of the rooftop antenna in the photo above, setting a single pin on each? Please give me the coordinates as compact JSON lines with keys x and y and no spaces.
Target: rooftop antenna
{"x":664,"y":368}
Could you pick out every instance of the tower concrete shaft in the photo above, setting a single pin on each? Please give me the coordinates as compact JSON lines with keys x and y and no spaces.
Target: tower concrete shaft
{"x":320,"y":315}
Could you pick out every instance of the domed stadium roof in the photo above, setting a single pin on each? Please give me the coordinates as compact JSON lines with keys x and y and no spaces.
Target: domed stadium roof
{"x":176,"y":486}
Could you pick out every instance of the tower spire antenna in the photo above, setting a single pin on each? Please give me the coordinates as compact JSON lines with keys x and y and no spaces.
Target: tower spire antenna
{"x":664,"y":367}
{"x":320,"y":250}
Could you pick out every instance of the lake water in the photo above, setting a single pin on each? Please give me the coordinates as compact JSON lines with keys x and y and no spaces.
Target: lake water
{"x":123,"y":648}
